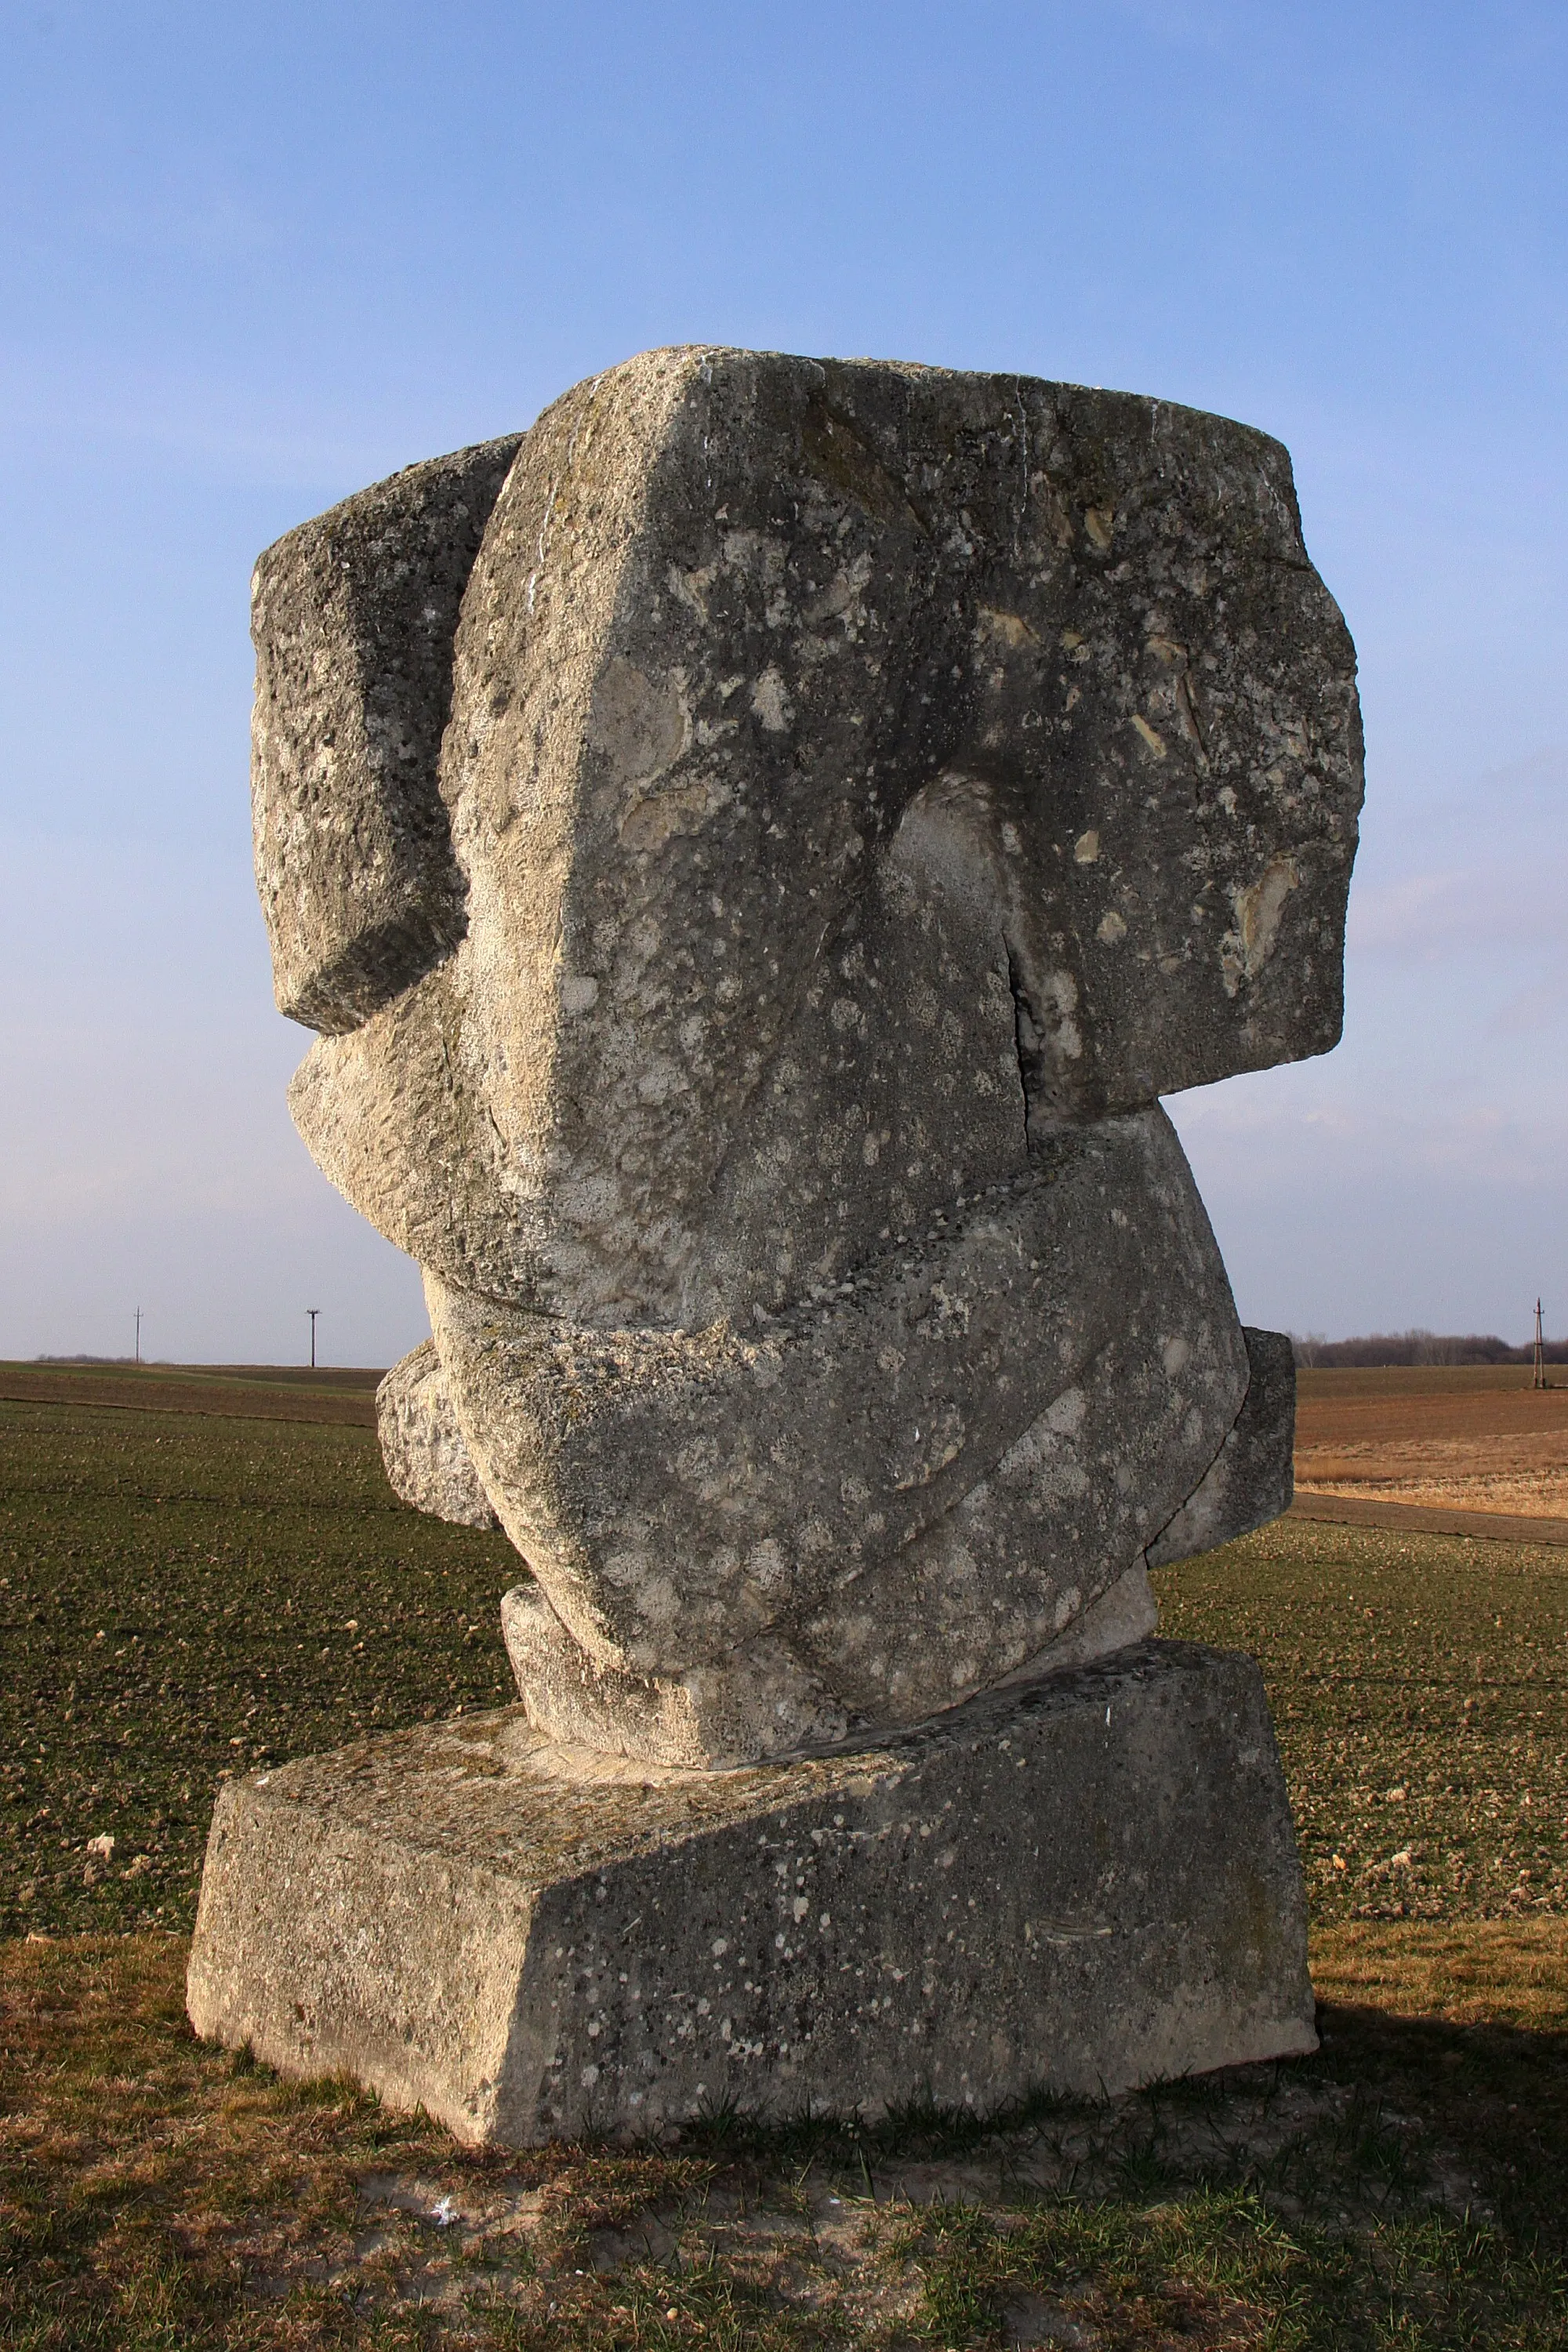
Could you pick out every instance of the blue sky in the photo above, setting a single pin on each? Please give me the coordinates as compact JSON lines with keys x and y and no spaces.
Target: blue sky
{"x":252,"y":258}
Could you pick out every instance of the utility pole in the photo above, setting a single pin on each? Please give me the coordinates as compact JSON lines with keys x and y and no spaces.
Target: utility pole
{"x":312,"y":1312}
{"x":1538,"y":1378}
{"x":138,"y":1335}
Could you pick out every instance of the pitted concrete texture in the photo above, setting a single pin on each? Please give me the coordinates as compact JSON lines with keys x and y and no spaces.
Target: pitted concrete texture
{"x":760,"y":843}
{"x":852,"y":769}
{"x":1252,"y":1478}
{"x":428,"y":1462}
{"x":1082,"y":1883}
{"x":353,"y":617}
{"x":847,"y":1517}
{"x":705,"y":1717}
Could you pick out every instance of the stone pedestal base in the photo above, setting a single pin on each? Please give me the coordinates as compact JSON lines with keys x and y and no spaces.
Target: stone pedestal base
{"x":1078,"y":1883}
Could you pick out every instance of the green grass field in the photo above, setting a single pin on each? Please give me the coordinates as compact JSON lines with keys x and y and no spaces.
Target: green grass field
{"x":1420,"y":1693}
{"x":184,"y":1594}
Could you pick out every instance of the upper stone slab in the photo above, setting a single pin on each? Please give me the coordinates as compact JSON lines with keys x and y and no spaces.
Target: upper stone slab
{"x":353,"y":619}
{"x":850,"y":768}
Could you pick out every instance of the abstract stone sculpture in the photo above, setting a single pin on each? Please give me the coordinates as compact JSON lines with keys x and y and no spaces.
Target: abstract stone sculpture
{"x":758,"y":846}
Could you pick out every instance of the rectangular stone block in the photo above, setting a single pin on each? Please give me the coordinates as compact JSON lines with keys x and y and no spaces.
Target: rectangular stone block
{"x":1078,"y":1883}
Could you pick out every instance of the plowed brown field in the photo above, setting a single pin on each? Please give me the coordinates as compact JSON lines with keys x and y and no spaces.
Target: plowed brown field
{"x":1445,"y":1439}
{"x":335,"y":1398}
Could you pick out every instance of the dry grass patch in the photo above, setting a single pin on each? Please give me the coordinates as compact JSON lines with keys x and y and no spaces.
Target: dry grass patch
{"x":157,"y":2192}
{"x":1507,"y":1972}
{"x":1399,"y":2190}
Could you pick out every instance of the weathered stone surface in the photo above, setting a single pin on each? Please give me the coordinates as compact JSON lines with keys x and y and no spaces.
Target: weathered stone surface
{"x":1080,"y":1884}
{"x":854,"y":769}
{"x":858,"y":1513}
{"x":764,"y":840}
{"x":707,"y":1716}
{"x":863,"y":790}
{"x":426,"y":1459}
{"x":1125,"y":1612}
{"x":1253,"y":1477}
{"x":353,"y":617}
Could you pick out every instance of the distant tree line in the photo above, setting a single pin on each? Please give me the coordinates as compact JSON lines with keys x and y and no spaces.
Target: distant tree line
{"x":1383,"y":1348}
